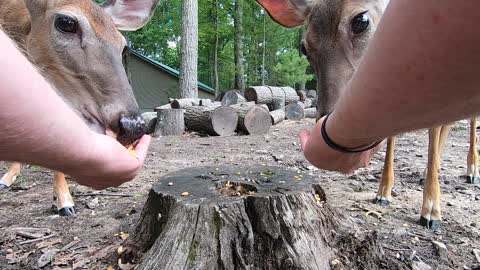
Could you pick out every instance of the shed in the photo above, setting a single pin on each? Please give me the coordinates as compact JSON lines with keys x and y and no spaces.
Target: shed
{"x":154,"y":83}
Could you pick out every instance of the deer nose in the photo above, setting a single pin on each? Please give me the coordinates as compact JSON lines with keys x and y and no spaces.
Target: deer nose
{"x":132,"y":128}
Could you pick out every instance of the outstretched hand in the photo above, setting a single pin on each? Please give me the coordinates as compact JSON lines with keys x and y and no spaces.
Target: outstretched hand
{"x":110,"y":164}
{"x":318,"y":153}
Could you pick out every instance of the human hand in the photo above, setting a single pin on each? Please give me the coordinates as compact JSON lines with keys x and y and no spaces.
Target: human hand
{"x":108,"y":163}
{"x":318,"y":153}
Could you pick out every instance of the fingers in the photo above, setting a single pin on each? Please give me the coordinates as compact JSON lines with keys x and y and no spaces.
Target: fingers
{"x":304,"y":135}
{"x":142,"y":148}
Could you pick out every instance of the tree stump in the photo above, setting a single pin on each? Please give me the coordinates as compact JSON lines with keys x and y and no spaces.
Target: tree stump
{"x":232,"y":97}
{"x":170,"y":122}
{"x":294,"y":111}
{"x":312,"y":93}
{"x":277,"y":116}
{"x":278,"y":98}
{"x":259,"y":94}
{"x":253,"y":119}
{"x":302,"y":94}
{"x":245,"y":218}
{"x":212,"y":120}
{"x":310,"y":112}
{"x":188,"y":102}
{"x":290,"y":95}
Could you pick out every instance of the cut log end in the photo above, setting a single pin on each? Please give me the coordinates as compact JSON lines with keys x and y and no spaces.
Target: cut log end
{"x":244,"y":218}
{"x":294,"y":111}
{"x":224,"y":121}
{"x":232,"y":97}
{"x":257,"y":121}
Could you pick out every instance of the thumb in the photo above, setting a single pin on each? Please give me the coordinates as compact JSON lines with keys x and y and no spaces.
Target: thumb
{"x":304,"y":135}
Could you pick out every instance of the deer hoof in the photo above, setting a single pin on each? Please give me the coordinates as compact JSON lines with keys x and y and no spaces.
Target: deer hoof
{"x":3,"y":187}
{"x":470,"y":180}
{"x":382,"y":201}
{"x":431,"y":224}
{"x":67,"y":212}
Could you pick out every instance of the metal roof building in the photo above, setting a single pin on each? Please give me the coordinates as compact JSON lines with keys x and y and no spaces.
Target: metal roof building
{"x":154,"y":83}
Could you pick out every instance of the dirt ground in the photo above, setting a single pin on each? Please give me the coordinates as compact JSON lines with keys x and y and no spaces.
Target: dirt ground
{"x":87,"y":240}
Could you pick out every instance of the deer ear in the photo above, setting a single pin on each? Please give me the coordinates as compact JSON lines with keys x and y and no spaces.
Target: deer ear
{"x":130,"y":15}
{"x":36,"y":7}
{"x":288,"y":13}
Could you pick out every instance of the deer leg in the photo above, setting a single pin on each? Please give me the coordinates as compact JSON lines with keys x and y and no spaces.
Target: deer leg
{"x":431,"y":215}
{"x":442,"y":142}
{"x":9,"y":178}
{"x":63,"y":200}
{"x":473,"y":176}
{"x":384,"y":194}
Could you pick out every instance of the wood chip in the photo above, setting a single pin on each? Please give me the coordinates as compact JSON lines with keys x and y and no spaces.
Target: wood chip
{"x":185,"y":194}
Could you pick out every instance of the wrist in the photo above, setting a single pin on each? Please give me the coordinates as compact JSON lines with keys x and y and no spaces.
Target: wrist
{"x":342,"y":133}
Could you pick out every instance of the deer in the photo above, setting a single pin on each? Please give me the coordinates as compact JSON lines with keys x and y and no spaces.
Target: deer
{"x":336,"y":37}
{"x":77,"y":46}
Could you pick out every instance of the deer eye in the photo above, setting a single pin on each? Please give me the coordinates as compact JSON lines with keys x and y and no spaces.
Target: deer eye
{"x":66,"y":24}
{"x":303,"y":50}
{"x":360,"y":23}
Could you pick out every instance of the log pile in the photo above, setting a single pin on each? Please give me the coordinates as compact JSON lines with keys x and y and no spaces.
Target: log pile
{"x":253,"y":114}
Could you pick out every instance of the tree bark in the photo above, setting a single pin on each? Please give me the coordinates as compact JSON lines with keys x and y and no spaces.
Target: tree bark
{"x":264,"y":45}
{"x":228,"y":222}
{"x":310,"y":112}
{"x":189,"y":50}
{"x":253,"y":119}
{"x":233,"y":97}
{"x":259,"y":94}
{"x":312,"y":93}
{"x":212,"y":120}
{"x":238,"y":23}
{"x":170,"y":122}
{"x":308,"y":102}
{"x":290,"y":95}
{"x":188,"y":102}
{"x":277,"y":116}
{"x":294,"y":111}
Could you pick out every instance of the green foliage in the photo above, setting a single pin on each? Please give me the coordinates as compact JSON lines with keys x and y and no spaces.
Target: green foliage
{"x":159,"y":37}
{"x":291,"y":69}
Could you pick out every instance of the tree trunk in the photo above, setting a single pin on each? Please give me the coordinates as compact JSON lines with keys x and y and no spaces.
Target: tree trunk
{"x":278,"y":98}
{"x":233,"y":97}
{"x":245,"y":218}
{"x":277,"y":116}
{"x":290,"y":95}
{"x":189,"y":50}
{"x":294,"y":111}
{"x":310,"y":112}
{"x":259,"y":94}
{"x":238,"y":22}
{"x":215,"y":65}
{"x":302,"y":86}
{"x":264,"y":45}
{"x":212,"y":120}
{"x":170,"y":122}
{"x":302,"y":94}
{"x":253,"y":119}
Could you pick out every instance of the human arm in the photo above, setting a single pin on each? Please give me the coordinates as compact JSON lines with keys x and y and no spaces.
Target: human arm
{"x":420,"y":70}
{"x":37,"y":127}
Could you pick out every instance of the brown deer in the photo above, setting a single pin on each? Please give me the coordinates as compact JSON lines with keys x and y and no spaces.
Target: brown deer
{"x":336,"y":37}
{"x":77,"y":46}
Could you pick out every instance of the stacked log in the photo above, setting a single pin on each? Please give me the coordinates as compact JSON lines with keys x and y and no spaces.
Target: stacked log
{"x":312,"y":93}
{"x":302,"y":94}
{"x":259,"y":94}
{"x":253,"y":119}
{"x":170,"y":122}
{"x":295,"y":111}
{"x":212,"y":120}
{"x":290,"y":95}
{"x":277,"y":116}
{"x":278,"y":98}
{"x":308,"y":102}
{"x":188,"y":102}
{"x":232,"y":97}
{"x":310,"y":112}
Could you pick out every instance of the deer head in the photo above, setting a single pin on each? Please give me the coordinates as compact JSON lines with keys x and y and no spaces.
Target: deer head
{"x":78,"y":47}
{"x":336,"y":37}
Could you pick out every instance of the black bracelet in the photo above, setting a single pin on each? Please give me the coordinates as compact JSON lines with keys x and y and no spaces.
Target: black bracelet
{"x":340,"y":148}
